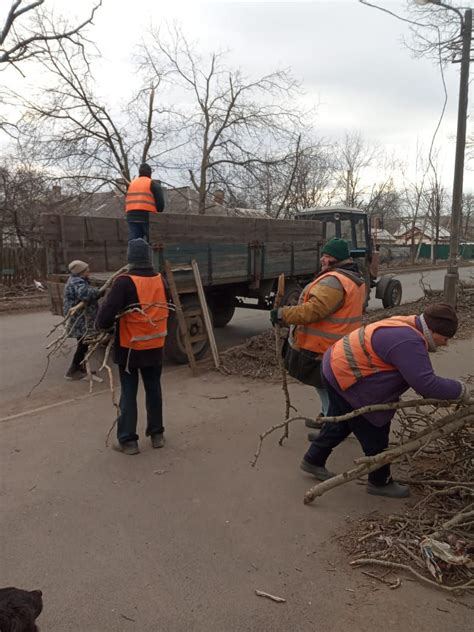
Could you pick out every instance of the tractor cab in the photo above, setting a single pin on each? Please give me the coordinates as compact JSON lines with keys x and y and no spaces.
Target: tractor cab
{"x":352,"y":225}
{"x":345,"y":223}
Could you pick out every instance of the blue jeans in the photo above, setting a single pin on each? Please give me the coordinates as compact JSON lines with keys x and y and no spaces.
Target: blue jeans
{"x":138,"y":230}
{"x":324,"y":397}
{"x":127,"y":420}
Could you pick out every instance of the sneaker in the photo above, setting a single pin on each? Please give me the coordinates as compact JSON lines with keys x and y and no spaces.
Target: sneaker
{"x":75,"y":373}
{"x":391,"y":490}
{"x":94,"y":377}
{"x":314,"y":423}
{"x":318,"y":471}
{"x":157,"y":440}
{"x":128,"y":447}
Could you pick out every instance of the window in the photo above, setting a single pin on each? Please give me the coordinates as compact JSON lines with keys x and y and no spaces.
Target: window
{"x":360,"y":233}
{"x":329,"y":230}
{"x":346,"y":232}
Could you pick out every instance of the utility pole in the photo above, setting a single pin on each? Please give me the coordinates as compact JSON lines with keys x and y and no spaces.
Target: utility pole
{"x":451,"y":279}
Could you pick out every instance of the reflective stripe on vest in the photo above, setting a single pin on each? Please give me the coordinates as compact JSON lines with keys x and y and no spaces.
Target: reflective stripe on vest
{"x":146,"y":329}
{"x":139,"y":196}
{"x":354,"y":358}
{"x":319,"y":336}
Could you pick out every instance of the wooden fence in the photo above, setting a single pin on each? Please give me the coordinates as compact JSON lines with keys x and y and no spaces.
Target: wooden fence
{"x":20,"y":266}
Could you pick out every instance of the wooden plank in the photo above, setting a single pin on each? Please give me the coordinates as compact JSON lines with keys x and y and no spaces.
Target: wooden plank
{"x":205,"y":311}
{"x":180,"y":316}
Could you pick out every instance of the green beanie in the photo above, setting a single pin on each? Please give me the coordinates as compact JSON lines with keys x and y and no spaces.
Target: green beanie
{"x":337,"y":248}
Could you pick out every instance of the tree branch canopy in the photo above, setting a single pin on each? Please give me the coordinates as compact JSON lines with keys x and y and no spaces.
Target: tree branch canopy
{"x":27,"y":28}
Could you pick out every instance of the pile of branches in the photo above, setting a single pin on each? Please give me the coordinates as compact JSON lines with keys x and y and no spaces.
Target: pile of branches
{"x":432,"y":539}
{"x":255,"y":358}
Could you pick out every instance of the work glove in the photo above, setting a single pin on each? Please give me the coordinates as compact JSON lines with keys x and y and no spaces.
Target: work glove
{"x":275,"y":316}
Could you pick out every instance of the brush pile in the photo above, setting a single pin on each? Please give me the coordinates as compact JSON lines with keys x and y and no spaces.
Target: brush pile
{"x":433,"y":538}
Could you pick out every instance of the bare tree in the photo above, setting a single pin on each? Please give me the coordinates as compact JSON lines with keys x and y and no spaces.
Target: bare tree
{"x":24,"y":194}
{"x":94,"y":143}
{"x":467,"y":233}
{"x":235,"y":122}
{"x":28,"y":28}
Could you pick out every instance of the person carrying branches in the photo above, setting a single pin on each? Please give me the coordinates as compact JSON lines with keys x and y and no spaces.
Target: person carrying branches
{"x":78,"y":290}
{"x":376,"y":364}
{"x":139,"y":301}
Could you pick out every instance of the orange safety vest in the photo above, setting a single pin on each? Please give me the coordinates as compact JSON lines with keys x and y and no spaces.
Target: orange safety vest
{"x":140,"y":331}
{"x":354,"y":358}
{"x":319,"y":336}
{"x":140,"y":196}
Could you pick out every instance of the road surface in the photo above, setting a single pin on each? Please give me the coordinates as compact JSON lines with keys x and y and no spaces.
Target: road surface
{"x":179,"y":539}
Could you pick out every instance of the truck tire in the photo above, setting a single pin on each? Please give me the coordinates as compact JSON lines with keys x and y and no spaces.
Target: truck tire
{"x":292,"y":294}
{"x":174,"y":348}
{"x":393,"y":294}
{"x":223,"y":309}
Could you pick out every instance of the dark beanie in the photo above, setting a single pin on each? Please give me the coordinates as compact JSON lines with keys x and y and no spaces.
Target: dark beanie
{"x":139,"y":254}
{"x":144,"y":170}
{"x":441,"y":319}
{"x":337,"y":248}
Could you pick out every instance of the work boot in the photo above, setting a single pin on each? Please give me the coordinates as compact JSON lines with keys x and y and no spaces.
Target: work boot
{"x":157,"y":440}
{"x":314,"y":423}
{"x":318,"y":471}
{"x":127,"y":447}
{"x":390,"y":490}
{"x":75,"y":373}
{"x":312,"y":436}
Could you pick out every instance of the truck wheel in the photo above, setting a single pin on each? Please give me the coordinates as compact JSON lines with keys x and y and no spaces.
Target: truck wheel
{"x":174,"y":348}
{"x":223,"y":309}
{"x":292,"y":294}
{"x":393,"y":294}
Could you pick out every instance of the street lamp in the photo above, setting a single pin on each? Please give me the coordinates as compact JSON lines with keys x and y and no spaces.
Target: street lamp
{"x":451,"y":278}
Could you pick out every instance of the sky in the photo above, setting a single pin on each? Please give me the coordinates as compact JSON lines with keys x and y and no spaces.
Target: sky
{"x":350,"y":59}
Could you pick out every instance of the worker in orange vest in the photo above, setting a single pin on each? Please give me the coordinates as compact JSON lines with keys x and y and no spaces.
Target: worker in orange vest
{"x":144,"y":197}
{"x":139,"y":340}
{"x":375,"y":365}
{"x":329,"y":307}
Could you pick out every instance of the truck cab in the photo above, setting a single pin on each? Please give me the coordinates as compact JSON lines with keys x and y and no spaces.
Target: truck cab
{"x":352,"y":225}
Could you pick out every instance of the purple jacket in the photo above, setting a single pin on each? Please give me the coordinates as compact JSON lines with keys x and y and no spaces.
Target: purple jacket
{"x":404,"y":349}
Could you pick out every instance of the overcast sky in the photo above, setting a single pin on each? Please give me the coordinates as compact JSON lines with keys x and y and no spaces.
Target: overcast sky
{"x":350,"y":60}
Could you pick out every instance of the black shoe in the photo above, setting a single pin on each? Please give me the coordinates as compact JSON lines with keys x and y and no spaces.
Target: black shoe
{"x":75,"y":373}
{"x":128,"y":447}
{"x":391,"y":490}
{"x":312,"y":436}
{"x":314,"y":423}
{"x":318,"y":471}
{"x":157,"y":440}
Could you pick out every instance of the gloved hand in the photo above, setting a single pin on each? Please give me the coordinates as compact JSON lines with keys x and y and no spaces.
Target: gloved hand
{"x":274,"y":317}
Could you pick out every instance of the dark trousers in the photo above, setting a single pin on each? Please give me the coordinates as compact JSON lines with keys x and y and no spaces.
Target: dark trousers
{"x":373,"y":439}
{"x":79,"y":354}
{"x":127,"y":420}
{"x":137,"y":230}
